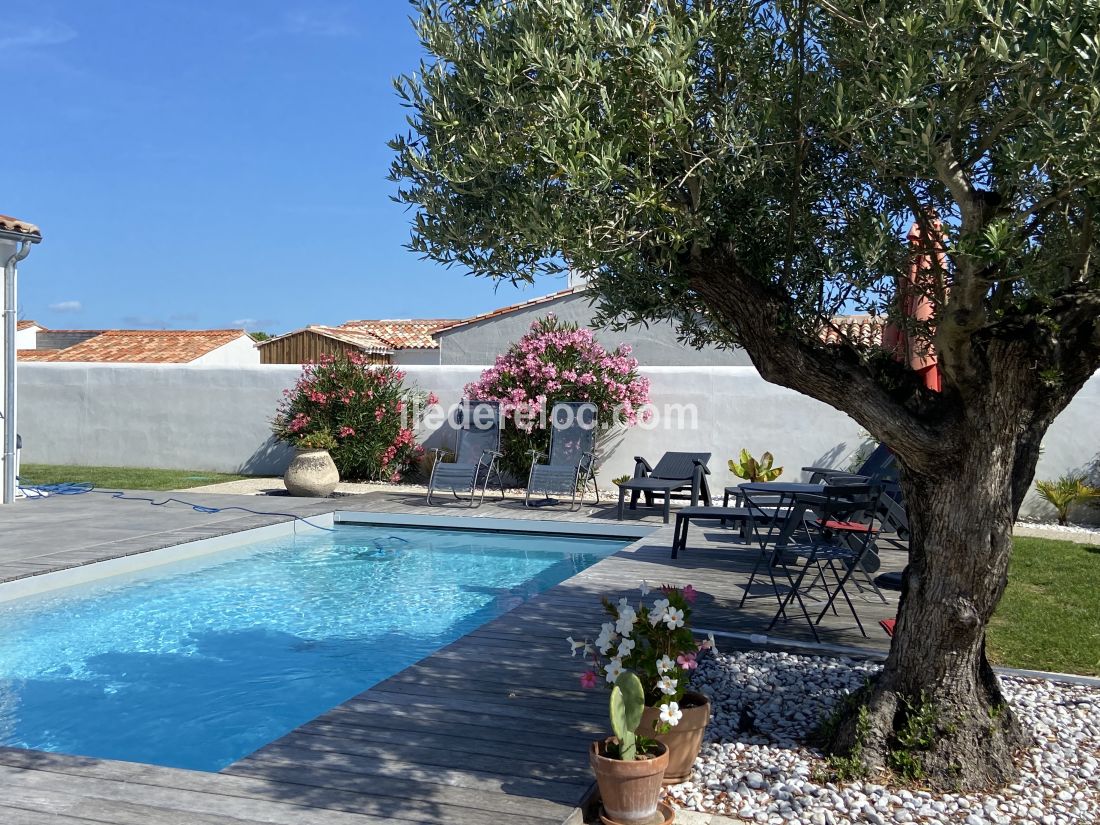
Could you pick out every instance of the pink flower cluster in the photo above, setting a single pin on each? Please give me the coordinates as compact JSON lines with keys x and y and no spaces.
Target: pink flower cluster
{"x":364,"y":406}
{"x":560,"y":362}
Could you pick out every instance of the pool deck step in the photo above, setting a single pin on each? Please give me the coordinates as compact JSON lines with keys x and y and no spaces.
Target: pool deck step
{"x":494,"y":727}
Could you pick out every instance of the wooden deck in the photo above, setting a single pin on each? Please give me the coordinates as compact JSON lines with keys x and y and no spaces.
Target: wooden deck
{"x":491,"y":728}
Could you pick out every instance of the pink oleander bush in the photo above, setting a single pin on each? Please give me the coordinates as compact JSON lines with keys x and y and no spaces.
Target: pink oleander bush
{"x":367,"y":409}
{"x":557,"y":361}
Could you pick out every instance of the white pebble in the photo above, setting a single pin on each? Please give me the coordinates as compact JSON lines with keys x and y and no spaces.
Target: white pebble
{"x":768,"y":775}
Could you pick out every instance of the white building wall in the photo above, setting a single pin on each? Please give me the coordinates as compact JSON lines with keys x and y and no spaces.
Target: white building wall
{"x":241,"y":352}
{"x":654,"y":346}
{"x":420,"y":357}
{"x":218,"y":419}
{"x":26,"y":338}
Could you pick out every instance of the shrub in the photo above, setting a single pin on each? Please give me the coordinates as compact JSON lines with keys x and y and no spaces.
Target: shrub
{"x":366,"y":410}
{"x":1065,"y":492}
{"x":557,"y":361}
{"x":755,"y":470}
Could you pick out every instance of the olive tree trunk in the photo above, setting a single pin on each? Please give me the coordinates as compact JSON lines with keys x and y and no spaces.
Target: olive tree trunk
{"x":936,"y":712}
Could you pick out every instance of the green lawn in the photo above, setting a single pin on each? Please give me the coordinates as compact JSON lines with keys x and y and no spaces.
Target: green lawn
{"x":121,"y":478}
{"x":1049,"y":618}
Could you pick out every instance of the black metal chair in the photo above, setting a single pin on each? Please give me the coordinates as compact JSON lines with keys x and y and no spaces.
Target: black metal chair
{"x":838,"y":539}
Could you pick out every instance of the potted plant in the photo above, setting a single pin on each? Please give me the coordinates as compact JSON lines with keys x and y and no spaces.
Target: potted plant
{"x":755,"y":470}
{"x":629,"y":768}
{"x":656,"y":643}
{"x":312,"y":472}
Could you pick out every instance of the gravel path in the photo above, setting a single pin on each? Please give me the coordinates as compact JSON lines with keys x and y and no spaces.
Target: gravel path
{"x":759,"y":770}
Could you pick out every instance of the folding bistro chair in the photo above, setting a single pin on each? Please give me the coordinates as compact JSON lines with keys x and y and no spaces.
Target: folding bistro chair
{"x":572,"y":458}
{"x":477,"y":449}
{"x":880,"y":468}
{"x":838,"y":540}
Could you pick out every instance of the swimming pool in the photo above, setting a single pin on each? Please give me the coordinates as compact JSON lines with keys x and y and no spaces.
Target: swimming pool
{"x":199,"y":663}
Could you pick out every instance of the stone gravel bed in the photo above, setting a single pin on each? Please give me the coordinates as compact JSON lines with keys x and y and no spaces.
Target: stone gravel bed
{"x":755,"y":766}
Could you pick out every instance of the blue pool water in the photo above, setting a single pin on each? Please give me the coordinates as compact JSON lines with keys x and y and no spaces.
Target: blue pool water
{"x":198,"y":664}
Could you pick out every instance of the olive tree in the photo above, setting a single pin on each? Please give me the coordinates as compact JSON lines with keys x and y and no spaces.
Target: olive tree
{"x":747,"y":169}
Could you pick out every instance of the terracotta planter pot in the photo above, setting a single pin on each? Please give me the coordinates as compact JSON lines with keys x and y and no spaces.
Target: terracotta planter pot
{"x":311,"y":473}
{"x":685,"y":739}
{"x":629,"y":790}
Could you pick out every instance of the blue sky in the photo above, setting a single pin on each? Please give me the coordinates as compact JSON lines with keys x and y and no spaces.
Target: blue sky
{"x":198,"y":164}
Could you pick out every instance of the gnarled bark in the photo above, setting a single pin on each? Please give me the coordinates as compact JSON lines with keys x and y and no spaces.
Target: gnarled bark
{"x":936,"y":713}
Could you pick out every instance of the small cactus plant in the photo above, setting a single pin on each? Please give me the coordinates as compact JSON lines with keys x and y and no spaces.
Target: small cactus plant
{"x":627,"y":703}
{"x":755,"y":470}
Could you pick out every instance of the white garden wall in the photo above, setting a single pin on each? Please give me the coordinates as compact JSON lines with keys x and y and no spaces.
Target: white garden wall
{"x":217,"y":418}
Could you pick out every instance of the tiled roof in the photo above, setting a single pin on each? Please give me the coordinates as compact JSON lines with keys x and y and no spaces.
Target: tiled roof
{"x":18,"y":227}
{"x":360,"y":338}
{"x":862,"y":330}
{"x":28,"y":325}
{"x":36,"y":354}
{"x":411,"y":333}
{"x":543,"y":299}
{"x":141,"y":346}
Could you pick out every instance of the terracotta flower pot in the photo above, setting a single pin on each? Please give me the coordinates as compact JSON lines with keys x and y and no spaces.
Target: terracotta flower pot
{"x":683,"y":740}
{"x":311,"y":473}
{"x":629,"y":790}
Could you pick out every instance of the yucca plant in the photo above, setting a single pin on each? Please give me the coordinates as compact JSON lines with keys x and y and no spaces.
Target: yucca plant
{"x":1065,"y":492}
{"x":752,"y":469}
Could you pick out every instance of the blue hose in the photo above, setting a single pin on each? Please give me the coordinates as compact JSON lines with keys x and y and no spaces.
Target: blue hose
{"x":76,"y":488}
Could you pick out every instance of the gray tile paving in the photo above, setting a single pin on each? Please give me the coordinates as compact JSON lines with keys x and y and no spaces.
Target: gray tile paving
{"x":492,"y":727}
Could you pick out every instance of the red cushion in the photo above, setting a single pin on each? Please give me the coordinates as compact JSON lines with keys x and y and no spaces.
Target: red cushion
{"x":850,"y":526}
{"x":888,"y":626}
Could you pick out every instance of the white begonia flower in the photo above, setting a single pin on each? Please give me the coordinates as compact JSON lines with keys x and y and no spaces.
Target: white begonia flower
{"x":671,"y":713}
{"x":613,"y":670}
{"x":575,"y":646}
{"x":606,"y":640}
{"x":667,"y":685}
{"x":674,"y":618}
{"x":625,"y":646}
{"x":625,"y":624}
{"x":665,"y":664}
{"x":644,"y":588}
{"x":657,"y":614}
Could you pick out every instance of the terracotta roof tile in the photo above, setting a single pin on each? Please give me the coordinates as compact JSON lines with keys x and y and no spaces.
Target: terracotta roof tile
{"x":410,"y":333}
{"x":861,"y":330}
{"x":18,"y":227}
{"x":361,"y":338}
{"x":141,"y":346}
{"x":543,"y":299}
{"x":28,"y":325}
{"x":36,"y":354}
